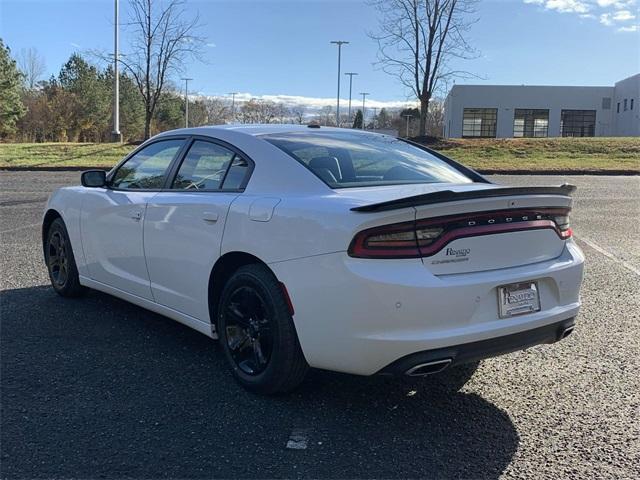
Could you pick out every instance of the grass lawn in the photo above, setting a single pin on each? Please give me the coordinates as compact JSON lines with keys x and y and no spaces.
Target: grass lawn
{"x":61,"y":154}
{"x":579,"y":154}
{"x":544,"y":154}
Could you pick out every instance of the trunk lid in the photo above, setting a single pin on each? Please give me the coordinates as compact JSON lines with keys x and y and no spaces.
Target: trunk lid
{"x":484,"y":226}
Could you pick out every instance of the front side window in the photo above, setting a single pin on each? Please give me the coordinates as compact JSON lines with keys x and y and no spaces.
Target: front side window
{"x":479,"y":122}
{"x":147,"y":168}
{"x":204,"y":167}
{"x":577,"y":123}
{"x":345,"y":159}
{"x":530,"y":123}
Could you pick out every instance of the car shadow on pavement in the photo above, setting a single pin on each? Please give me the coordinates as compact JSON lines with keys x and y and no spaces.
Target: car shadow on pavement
{"x":95,"y":387}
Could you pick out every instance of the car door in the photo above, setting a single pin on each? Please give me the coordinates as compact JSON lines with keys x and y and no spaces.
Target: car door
{"x":184,"y":224}
{"x":113,"y":218}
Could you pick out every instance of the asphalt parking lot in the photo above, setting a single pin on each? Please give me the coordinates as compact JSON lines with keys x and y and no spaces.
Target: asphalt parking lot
{"x":98,"y":388}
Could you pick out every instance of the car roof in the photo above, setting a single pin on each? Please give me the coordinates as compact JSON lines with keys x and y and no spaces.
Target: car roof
{"x":261,"y":129}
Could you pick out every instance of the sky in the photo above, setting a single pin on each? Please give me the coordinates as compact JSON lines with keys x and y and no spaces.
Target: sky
{"x":280,"y":49}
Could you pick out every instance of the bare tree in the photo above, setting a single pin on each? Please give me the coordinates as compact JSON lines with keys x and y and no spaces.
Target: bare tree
{"x":163,"y":39}
{"x":218,"y":112}
{"x":32,"y":66}
{"x":298,"y":112}
{"x":418,"y":39}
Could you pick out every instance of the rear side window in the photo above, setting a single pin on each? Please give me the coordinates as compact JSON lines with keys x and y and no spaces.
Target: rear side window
{"x":346,"y":159}
{"x":236,"y":175}
{"x":204,"y":167}
{"x":148,"y":167}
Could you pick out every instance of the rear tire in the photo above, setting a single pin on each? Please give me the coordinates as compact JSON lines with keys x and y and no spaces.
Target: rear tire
{"x":60,"y":261}
{"x":257,"y":333}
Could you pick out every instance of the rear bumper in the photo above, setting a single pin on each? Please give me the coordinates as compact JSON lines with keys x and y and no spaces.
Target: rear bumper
{"x":474,"y":351}
{"x":360,"y":316}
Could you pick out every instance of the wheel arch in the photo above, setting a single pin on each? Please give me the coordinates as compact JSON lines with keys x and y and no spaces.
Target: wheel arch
{"x":47,"y":220}
{"x":224,"y":267}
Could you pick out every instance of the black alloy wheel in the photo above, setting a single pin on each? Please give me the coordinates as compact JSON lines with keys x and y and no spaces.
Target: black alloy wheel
{"x":60,"y":261}
{"x":257,"y":332}
{"x":249,"y":332}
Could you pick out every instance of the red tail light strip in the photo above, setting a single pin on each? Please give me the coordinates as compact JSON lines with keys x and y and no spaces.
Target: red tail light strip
{"x":454,"y":227}
{"x":452,"y":235}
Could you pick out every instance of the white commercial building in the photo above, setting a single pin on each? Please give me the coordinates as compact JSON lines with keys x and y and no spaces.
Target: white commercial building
{"x":506,"y":111}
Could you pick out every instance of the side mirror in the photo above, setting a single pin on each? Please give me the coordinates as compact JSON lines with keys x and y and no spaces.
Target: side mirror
{"x":94,"y":178}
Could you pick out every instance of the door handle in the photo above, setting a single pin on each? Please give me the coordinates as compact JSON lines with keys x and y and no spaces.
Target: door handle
{"x":135,"y":214}
{"x":210,"y":217}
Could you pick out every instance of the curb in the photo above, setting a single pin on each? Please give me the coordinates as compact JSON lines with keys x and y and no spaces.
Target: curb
{"x":481,"y":171}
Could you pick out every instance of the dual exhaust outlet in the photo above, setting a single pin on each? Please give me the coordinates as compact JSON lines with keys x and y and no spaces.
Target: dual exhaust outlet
{"x":437,"y":366}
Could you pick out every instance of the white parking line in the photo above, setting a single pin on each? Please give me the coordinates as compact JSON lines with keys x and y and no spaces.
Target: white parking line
{"x":31,"y":225}
{"x":610,"y":255}
{"x":298,"y":439}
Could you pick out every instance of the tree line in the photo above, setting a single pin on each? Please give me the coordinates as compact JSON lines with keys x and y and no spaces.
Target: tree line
{"x":417,"y":40}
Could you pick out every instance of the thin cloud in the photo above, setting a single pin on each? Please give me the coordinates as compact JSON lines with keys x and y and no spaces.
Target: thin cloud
{"x":75,"y":45}
{"x":610,"y":13}
{"x":211,"y":45}
{"x":317,"y":103}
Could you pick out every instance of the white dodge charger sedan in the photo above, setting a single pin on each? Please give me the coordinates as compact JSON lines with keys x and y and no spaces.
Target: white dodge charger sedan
{"x":306,"y":246}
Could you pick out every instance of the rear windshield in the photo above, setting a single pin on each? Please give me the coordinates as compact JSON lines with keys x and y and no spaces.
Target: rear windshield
{"x":346,"y":159}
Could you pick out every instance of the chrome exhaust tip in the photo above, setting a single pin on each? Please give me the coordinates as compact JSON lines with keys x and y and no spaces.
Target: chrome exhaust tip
{"x":566,"y":332}
{"x":429,"y":368}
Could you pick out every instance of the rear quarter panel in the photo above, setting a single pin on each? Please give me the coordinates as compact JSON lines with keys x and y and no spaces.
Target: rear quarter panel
{"x":301,"y":226}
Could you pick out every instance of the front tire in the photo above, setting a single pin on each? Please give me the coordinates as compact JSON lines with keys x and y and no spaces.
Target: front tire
{"x":60,"y":261}
{"x":257,"y":333}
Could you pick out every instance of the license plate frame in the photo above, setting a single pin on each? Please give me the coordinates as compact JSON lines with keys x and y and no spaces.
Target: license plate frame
{"x":516,"y":299}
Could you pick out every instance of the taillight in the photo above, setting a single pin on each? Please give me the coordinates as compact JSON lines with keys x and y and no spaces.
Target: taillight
{"x":426,"y":237}
{"x":564,"y":227}
{"x":390,"y":241}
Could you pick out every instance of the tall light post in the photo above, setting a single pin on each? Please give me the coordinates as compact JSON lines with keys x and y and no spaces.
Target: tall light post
{"x":233,"y":106}
{"x":116,"y":136}
{"x":408,"y":117}
{"x":364,"y":95}
{"x":186,"y":101}
{"x":339,"y":43}
{"x":351,"y":74}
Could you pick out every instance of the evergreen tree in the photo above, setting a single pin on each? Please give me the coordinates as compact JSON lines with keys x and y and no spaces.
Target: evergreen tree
{"x":91,"y":99}
{"x":11,"y":106}
{"x":357,"y":120}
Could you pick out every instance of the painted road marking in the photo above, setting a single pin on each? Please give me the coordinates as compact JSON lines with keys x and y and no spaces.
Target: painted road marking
{"x":298,"y":439}
{"x":610,"y":255}
{"x":20,"y":228}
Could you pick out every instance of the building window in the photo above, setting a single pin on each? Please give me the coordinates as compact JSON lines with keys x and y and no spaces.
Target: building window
{"x":631,"y":104}
{"x":618,"y":110}
{"x":530,"y":123}
{"x":606,"y":103}
{"x":625,"y":104}
{"x":577,"y":123}
{"x":479,"y":122}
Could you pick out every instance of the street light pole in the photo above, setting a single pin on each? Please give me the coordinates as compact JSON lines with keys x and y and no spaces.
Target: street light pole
{"x":233,"y":106}
{"x":364,"y":94}
{"x":116,"y":136}
{"x":186,"y":101}
{"x":351,"y":74}
{"x":339,"y":43}
{"x":408,"y":117}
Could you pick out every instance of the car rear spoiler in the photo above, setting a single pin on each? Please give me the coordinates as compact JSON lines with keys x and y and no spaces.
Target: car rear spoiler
{"x":445,"y":196}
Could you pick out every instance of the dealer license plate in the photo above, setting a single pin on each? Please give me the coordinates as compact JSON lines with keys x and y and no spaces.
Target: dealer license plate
{"x":518,"y":299}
